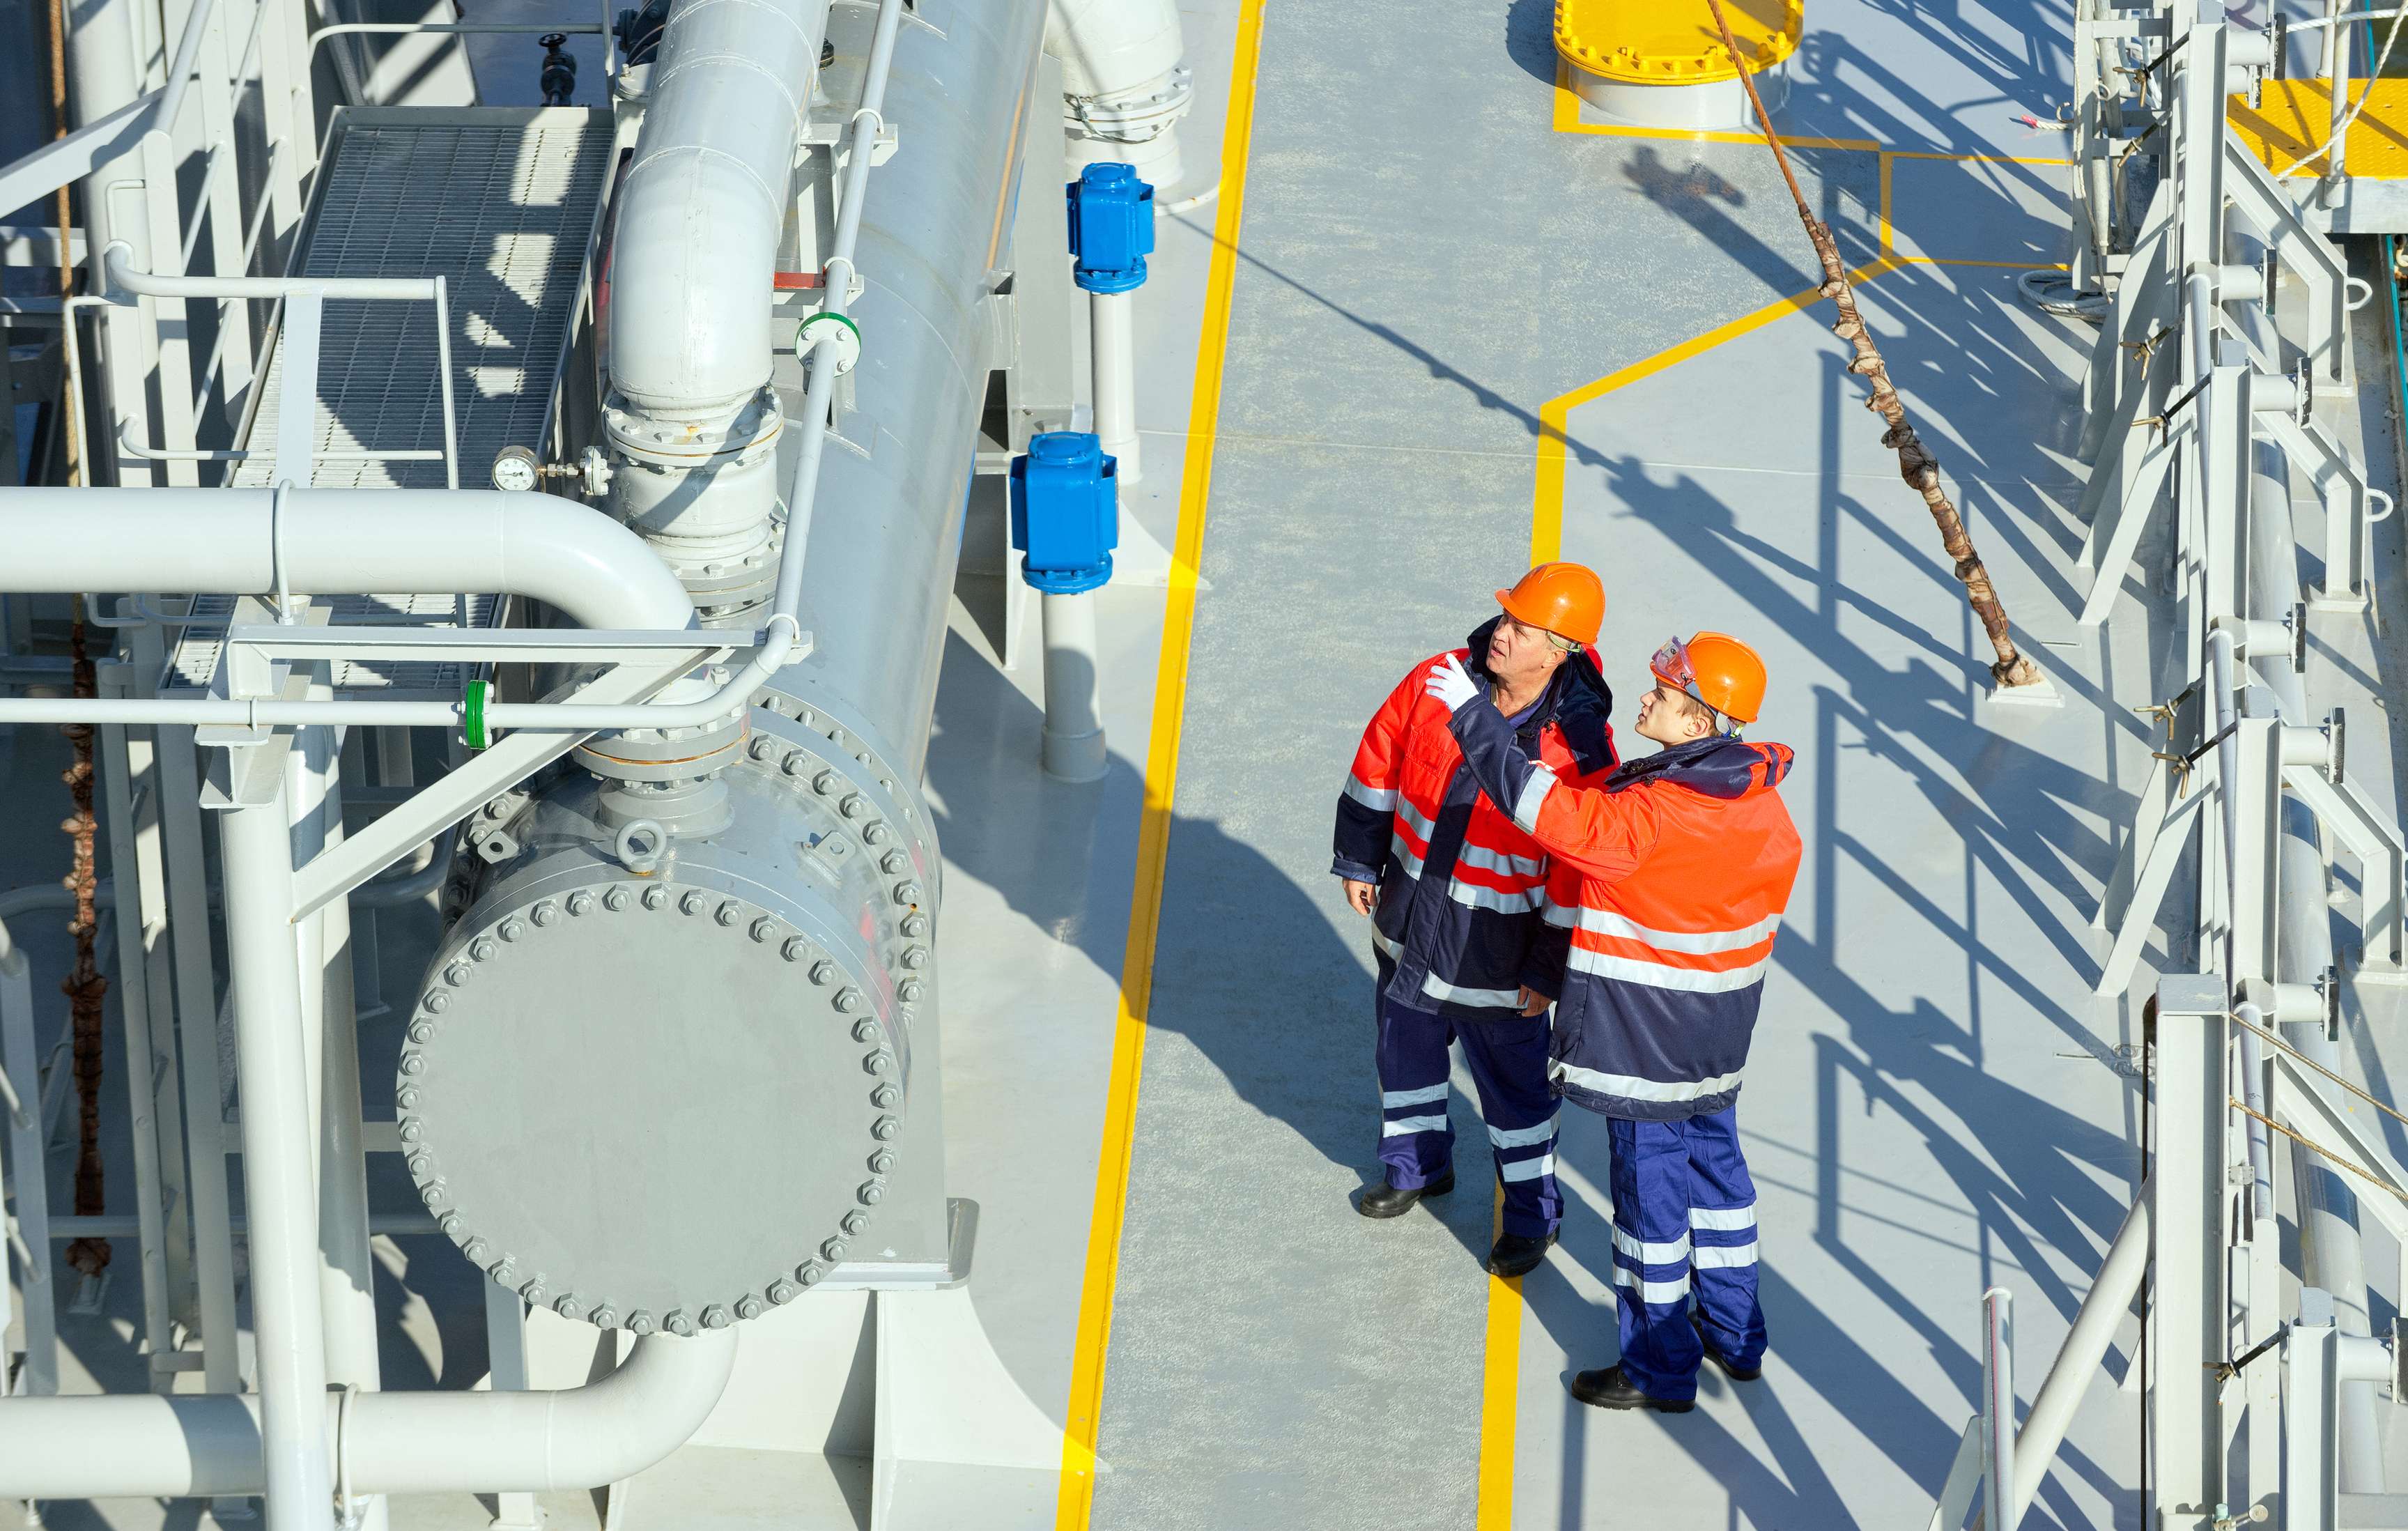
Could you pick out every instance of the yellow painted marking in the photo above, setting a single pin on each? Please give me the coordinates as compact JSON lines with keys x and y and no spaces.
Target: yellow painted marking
{"x":1887,"y":160}
{"x":1547,"y":504}
{"x":1501,"y":1390}
{"x":1076,"y":1497}
{"x":1500,"y":1395}
{"x":2293,"y":118}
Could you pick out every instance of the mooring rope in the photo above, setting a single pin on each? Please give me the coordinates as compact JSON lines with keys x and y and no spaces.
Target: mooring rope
{"x":1916,"y":462}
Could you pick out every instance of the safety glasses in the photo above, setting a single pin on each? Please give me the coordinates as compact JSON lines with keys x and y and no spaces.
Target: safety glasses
{"x":1672,"y":666}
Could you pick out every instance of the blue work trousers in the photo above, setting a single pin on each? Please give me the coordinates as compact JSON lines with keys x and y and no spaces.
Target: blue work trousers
{"x":1683,"y":1225}
{"x":1508,"y":1057}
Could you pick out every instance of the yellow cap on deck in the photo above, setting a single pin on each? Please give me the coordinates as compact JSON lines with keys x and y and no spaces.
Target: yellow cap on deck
{"x":1674,"y":42}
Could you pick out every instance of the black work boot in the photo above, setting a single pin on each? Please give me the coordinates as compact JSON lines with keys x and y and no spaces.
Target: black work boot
{"x":1611,"y":1389}
{"x":1384,"y":1200}
{"x":1518,"y":1254}
{"x":1731,"y":1368}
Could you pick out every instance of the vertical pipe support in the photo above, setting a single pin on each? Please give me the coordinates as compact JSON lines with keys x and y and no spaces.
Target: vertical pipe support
{"x":2189,"y":1310}
{"x":1074,"y":738}
{"x":28,"y":1174}
{"x":280,"y":1190}
{"x":1997,"y":1407}
{"x":1113,"y":326}
{"x":2312,"y":1416}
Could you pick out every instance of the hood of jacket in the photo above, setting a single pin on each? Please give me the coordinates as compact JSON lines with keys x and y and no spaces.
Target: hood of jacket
{"x":1577,"y":700}
{"x":1717,"y":768}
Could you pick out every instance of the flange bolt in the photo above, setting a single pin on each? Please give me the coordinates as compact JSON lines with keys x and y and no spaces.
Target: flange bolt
{"x":714,"y":1317}
{"x":678,"y":1323}
{"x":639,"y":1322}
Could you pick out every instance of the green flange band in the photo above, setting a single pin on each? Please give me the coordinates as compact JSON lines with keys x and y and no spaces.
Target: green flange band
{"x":472,"y":714}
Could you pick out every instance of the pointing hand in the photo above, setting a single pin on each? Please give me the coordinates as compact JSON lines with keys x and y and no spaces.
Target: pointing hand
{"x":1450,"y":685}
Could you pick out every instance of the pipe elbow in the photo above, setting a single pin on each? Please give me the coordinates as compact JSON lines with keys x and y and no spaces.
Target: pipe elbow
{"x":529,"y":1442}
{"x":590,"y":567}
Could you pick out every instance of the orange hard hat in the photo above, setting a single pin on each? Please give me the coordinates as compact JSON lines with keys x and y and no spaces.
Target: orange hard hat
{"x":1566,"y":599}
{"x":1718,"y":670}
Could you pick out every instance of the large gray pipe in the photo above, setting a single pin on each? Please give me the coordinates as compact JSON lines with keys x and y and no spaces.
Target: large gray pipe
{"x":880,"y":567}
{"x":2331,"y":1253}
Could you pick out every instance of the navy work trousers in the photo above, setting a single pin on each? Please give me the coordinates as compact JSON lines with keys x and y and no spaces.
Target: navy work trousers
{"x":1508,"y":1057}
{"x":1683,"y":1227}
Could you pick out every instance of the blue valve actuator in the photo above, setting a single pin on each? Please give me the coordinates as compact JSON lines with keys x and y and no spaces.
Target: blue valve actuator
{"x":1111,"y":228}
{"x":1065,"y":511}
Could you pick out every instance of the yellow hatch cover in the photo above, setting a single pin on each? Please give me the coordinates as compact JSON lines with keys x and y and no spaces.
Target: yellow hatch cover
{"x":1674,"y":42}
{"x":2294,"y":118}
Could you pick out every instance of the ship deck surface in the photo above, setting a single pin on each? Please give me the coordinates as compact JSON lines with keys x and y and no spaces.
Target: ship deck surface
{"x":1452,"y":325}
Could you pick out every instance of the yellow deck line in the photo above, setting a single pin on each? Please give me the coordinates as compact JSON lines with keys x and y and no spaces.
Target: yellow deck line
{"x":1076,"y":1499}
{"x":1547,"y":497}
{"x":1501,"y":1386}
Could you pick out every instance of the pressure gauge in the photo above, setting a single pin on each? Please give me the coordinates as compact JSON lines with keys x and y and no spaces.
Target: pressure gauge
{"x":517,"y":469}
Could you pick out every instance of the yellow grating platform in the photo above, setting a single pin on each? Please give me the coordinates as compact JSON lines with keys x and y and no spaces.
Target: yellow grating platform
{"x":2295,"y":119}
{"x":1674,"y":42}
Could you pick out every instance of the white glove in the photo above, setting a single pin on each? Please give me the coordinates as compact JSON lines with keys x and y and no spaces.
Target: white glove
{"x":1450,"y":685}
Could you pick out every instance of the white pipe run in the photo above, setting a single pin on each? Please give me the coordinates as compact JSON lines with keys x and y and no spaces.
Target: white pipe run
{"x":197,"y":1445}
{"x":1113,"y":316}
{"x":432,"y":541}
{"x":705,"y":201}
{"x":1074,"y":739}
{"x":428,"y":541}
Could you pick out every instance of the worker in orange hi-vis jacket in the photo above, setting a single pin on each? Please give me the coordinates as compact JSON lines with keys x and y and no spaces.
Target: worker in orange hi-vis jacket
{"x":1671,"y":876}
{"x":1453,"y":889}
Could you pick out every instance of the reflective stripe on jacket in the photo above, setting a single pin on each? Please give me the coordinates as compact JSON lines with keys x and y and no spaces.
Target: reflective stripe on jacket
{"x":1670,"y":879}
{"x":1461,"y":887}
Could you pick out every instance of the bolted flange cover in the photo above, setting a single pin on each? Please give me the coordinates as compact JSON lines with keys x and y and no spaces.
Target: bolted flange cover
{"x":674,"y":1095}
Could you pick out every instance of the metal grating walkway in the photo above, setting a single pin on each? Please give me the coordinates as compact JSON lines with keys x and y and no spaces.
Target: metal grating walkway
{"x":502,"y":203}
{"x":499,"y":201}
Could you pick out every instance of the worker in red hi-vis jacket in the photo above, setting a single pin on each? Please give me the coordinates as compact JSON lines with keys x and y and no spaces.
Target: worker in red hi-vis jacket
{"x":1671,"y":876}
{"x":1453,"y":889}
